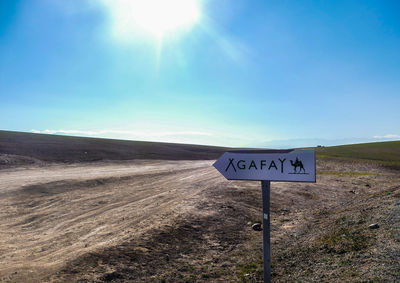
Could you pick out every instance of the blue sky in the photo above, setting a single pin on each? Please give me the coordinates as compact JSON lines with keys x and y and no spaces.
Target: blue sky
{"x":230,"y":72}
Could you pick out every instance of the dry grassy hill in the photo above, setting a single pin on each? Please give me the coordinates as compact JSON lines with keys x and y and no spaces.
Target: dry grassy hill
{"x":29,"y":148}
{"x":384,"y":153}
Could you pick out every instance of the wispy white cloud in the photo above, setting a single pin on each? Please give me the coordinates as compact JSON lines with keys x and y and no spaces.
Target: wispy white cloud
{"x":173,"y":136}
{"x":388,"y":136}
{"x":142,"y":134}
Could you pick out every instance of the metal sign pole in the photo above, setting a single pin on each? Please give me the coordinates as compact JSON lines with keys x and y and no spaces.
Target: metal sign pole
{"x":265,"y":188}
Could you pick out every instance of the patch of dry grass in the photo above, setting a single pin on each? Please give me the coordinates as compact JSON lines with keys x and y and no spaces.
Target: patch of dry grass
{"x":345,"y":174}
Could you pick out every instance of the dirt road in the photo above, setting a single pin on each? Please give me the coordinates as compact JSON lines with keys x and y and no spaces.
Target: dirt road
{"x":181,"y":221}
{"x":54,"y":214}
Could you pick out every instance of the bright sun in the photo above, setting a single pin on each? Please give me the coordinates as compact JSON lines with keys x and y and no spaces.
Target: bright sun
{"x":153,"y":17}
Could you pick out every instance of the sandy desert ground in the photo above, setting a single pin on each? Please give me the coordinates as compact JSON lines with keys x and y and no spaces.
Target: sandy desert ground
{"x":181,"y":221}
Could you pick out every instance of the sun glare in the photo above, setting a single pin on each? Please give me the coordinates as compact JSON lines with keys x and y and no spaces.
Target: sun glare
{"x":157,"y":18}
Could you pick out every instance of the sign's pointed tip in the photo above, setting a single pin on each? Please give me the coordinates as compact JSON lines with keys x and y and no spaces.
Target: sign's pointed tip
{"x":215,"y":163}
{"x":218,"y":165}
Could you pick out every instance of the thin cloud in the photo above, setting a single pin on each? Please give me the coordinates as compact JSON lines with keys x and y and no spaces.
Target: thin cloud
{"x":123,"y":132}
{"x":187,"y":137}
{"x":388,"y":136}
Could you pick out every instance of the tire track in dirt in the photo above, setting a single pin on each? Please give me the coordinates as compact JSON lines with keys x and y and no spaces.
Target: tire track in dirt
{"x":45,"y":224}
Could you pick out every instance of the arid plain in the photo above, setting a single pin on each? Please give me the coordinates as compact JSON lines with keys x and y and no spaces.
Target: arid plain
{"x":166,"y":215}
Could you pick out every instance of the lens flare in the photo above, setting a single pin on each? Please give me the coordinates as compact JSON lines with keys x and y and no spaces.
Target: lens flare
{"x":157,"y":18}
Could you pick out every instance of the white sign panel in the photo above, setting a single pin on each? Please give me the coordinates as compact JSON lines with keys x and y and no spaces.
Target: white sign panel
{"x":271,"y":165}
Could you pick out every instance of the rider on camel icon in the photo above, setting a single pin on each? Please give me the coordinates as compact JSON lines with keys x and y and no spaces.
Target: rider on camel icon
{"x":296,"y":164}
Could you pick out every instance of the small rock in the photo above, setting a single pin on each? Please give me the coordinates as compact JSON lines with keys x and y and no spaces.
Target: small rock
{"x":249,"y":223}
{"x":373,"y":226}
{"x":256,"y":227}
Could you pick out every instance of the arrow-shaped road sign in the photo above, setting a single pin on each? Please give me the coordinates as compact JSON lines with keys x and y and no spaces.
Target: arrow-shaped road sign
{"x":271,"y":165}
{"x":265,"y":166}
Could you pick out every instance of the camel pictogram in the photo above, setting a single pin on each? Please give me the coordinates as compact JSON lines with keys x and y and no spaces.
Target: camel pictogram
{"x":296,"y":164}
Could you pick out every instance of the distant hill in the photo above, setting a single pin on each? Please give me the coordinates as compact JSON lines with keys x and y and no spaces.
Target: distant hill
{"x":387,"y":153}
{"x":57,"y":148}
{"x":29,"y":147}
